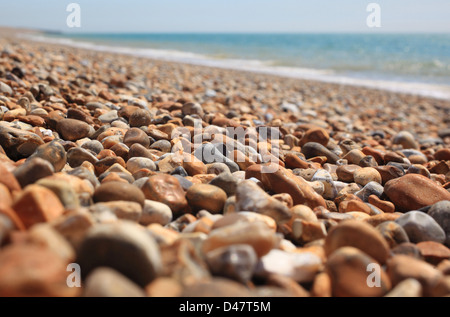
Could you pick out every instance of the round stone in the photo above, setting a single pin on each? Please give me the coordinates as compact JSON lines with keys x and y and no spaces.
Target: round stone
{"x":366,"y":175}
{"x":155,"y":212}
{"x":421,"y":227}
{"x":359,"y":235}
{"x":112,"y":191}
{"x":136,"y":135}
{"x":205,"y":196}
{"x":72,"y":130}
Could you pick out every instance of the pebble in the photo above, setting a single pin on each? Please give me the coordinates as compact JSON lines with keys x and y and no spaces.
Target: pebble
{"x":421,"y":227}
{"x":33,"y":170}
{"x":256,"y":234}
{"x":284,"y":181}
{"x":155,"y":212}
{"x":433,"y":252}
{"x":301,"y":267}
{"x":406,"y":288}
{"x":393,"y":233}
{"x":135,"y":164}
{"x":116,"y":191}
{"x":366,"y":175}
{"x":77,"y":156}
{"x":236,"y":262}
{"x":205,"y":196}
{"x":28,"y":270}
{"x":122,"y":246}
{"x":54,"y":153}
{"x":440,"y":212}
{"x":72,"y":130}
{"x":17,"y":143}
{"x":317,"y":135}
{"x":406,"y":140}
{"x":136,"y":135}
{"x":127,"y":210}
{"x":106,"y":282}
{"x":313,"y":149}
{"x":414,"y":191}
{"x":226,"y":182}
{"x":347,"y":268}
{"x":166,"y":189}
{"x":401,"y":267}
{"x":250,"y":197}
{"x":63,"y":190}
{"x":37,"y":204}
{"x":357,"y":234}
{"x":371,"y":188}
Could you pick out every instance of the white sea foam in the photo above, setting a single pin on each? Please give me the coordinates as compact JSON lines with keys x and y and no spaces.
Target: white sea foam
{"x":256,"y":66}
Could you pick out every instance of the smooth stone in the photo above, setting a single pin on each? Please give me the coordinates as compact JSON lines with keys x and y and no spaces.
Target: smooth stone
{"x":5,"y":89}
{"x":440,"y":212}
{"x":313,"y":149}
{"x":136,"y":135}
{"x":421,"y":227}
{"x":354,"y":156}
{"x":28,"y":270}
{"x":109,"y":117}
{"x":345,"y":172}
{"x":63,"y":190}
{"x":93,"y":145}
{"x":72,"y":129}
{"x":113,"y":191}
{"x":442,"y":154}
{"x":236,"y":262}
{"x":33,"y":170}
{"x":205,"y":196}
{"x":433,"y":252}
{"x":316,"y":135}
{"x":185,"y":183}
{"x":366,"y":175}
{"x":123,"y":246}
{"x":217,"y":168}
{"x":128,"y":210}
{"x":302,"y":212}
{"x":106,"y":282}
{"x":18,"y":143}
{"x":140,"y":118}
{"x":347,"y":269}
{"x":326,"y":179}
{"x":284,"y":181}
{"x":250,"y":197}
{"x":180,"y":171}
{"x":134,"y":164}
{"x":166,"y":189}
{"x":191,"y":108}
{"x":406,"y":288}
{"x":301,"y":267}
{"x":360,"y":235}
{"x":226,"y":182}
{"x":414,"y":191}
{"x":384,"y":205}
{"x":371,"y":188}
{"x":402,"y":267}
{"x":208,"y":153}
{"x":53,"y":152}
{"x":406,"y":139}
{"x":393,"y":233}
{"x":162,"y":145}
{"x":307,"y":231}
{"x":155,"y":212}
{"x":169,"y":163}
{"x":389,"y":172}
{"x":409,"y":249}
{"x":164,"y":287}
{"x":77,"y":156}
{"x":256,"y":234}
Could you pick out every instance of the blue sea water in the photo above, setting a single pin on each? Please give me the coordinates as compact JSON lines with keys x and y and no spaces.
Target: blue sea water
{"x":401,"y":58}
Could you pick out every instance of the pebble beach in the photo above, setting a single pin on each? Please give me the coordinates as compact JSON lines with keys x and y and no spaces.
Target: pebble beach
{"x":121,"y":176}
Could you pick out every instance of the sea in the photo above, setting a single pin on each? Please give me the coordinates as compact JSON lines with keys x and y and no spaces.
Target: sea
{"x":410,"y":63}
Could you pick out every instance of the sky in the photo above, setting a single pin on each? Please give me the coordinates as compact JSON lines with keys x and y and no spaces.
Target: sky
{"x":232,"y":16}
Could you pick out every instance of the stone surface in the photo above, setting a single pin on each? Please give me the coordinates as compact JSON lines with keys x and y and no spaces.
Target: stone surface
{"x":250,"y":197}
{"x":106,"y":282}
{"x":205,"y":196}
{"x":166,"y":189}
{"x":33,"y":170}
{"x":414,"y":191}
{"x":421,"y":227}
{"x":359,"y":235}
{"x":37,"y":204}
{"x":155,"y":212}
{"x":121,"y":246}
{"x":112,"y":191}
{"x":347,"y":268}
{"x":72,"y":130}
{"x":440,"y":212}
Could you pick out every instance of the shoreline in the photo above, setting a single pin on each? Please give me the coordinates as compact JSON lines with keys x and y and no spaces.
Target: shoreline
{"x":437,"y":91}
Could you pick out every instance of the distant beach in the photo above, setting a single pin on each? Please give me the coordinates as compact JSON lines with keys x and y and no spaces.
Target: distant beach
{"x":409,"y":63}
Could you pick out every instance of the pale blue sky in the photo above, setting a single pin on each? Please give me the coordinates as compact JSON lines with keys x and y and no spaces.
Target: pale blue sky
{"x":228,"y":15}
